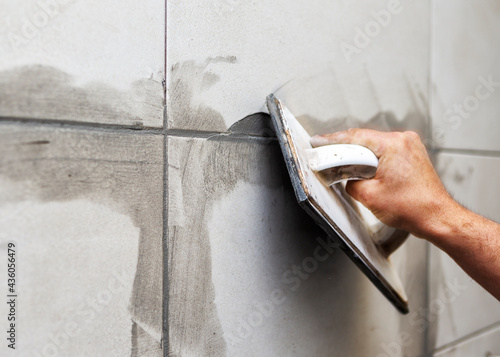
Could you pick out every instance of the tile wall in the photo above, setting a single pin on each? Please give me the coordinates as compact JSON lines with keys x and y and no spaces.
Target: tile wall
{"x":465,"y":111}
{"x":82,"y":174}
{"x":236,"y":236}
{"x":96,"y":183}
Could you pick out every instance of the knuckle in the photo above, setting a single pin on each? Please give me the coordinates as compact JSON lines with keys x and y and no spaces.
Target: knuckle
{"x":395,"y":135}
{"x":405,"y":140}
{"x":412,"y":135}
{"x":412,"y":140}
{"x":398,"y":141}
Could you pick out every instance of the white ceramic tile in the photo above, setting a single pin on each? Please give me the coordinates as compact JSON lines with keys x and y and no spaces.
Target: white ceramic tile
{"x":466,"y":74}
{"x":84,"y":209}
{"x":91,"y":61}
{"x":237,"y":240}
{"x":487,"y":344}
{"x":333,"y":63}
{"x":472,"y":180}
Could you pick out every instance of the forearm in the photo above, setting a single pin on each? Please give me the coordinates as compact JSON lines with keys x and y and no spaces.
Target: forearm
{"x":407,"y":193}
{"x":472,"y":241}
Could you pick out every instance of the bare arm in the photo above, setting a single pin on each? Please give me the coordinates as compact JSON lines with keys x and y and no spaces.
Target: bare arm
{"x":407,"y":193}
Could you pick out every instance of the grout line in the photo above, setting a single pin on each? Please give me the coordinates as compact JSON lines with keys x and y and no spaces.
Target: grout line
{"x":427,"y":348}
{"x":430,"y":136}
{"x":215,"y":135}
{"x":193,"y":133}
{"x":469,"y":337}
{"x":244,"y":138}
{"x":472,"y":152}
{"x":82,"y":125}
{"x":125,"y":129}
{"x":430,"y":131}
{"x":165,"y":248}
{"x":165,"y":281}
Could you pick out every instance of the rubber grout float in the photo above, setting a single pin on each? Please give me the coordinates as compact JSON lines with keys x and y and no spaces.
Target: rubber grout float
{"x":318,"y":177}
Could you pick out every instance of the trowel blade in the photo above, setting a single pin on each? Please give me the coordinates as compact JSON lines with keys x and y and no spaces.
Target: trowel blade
{"x":332,"y":208}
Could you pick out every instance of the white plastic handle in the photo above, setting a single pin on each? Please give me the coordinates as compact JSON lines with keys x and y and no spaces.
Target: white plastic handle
{"x":329,"y":156}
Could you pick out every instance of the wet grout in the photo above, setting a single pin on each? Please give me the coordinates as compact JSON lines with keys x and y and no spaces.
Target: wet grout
{"x":216,"y":135}
{"x":165,"y":343}
{"x":63,"y":124}
{"x":124,"y":129}
{"x":472,"y":152}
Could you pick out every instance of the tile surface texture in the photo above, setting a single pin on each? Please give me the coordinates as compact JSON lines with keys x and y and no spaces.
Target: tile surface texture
{"x":243,"y":275}
{"x":486,"y":344}
{"x":85,"y":211}
{"x":335,"y":64}
{"x":461,"y":306}
{"x":251,"y":274}
{"x":88,"y":61}
{"x":466,"y":74}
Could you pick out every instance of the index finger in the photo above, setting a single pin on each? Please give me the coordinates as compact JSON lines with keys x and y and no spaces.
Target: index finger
{"x":372,"y":139}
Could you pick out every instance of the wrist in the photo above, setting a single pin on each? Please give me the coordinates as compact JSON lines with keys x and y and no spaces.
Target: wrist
{"x":443,"y":220}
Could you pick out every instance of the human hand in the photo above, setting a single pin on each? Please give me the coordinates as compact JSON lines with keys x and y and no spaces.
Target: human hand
{"x":406,"y":192}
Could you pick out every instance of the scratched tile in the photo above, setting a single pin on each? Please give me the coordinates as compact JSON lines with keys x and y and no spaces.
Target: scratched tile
{"x":335,"y":64}
{"x":486,"y":344}
{"x":459,"y":305}
{"x":86,"y":61}
{"x":466,"y":74}
{"x":250,"y":274}
{"x":85,"y":211}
